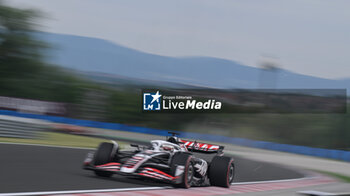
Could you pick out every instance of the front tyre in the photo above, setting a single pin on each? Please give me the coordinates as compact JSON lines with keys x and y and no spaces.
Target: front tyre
{"x":104,"y":154}
{"x":184,"y":160}
{"x":221,"y":171}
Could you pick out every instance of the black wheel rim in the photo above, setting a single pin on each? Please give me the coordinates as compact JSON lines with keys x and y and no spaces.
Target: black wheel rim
{"x":231,"y":173}
{"x":189,"y":173}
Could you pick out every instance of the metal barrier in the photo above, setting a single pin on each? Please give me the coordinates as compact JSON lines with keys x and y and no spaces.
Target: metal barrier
{"x":20,"y":128}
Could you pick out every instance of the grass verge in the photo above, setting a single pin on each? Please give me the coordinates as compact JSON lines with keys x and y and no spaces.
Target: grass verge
{"x":336,"y":175}
{"x":60,"y":139}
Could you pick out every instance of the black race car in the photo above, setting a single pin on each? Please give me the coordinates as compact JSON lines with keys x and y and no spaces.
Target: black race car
{"x":171,"y":161}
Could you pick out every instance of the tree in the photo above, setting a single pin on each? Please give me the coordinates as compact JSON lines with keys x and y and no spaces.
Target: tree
{"x":23,"y":70}
{"x":20,"y":51}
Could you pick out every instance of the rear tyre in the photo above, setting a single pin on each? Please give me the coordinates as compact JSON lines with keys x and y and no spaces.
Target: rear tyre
{"x":187,"y":176}
{"x":104,"y":154}
{"x":221,"y":171}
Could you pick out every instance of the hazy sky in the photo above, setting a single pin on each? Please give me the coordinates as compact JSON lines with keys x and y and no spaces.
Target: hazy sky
{"x":307,"y":36}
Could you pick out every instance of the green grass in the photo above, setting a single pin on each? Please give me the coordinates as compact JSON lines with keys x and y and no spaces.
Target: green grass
{"x":60,"y":139}
{"x":336,"y":175}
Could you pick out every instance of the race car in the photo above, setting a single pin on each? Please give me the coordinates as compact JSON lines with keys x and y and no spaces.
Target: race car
{"x":171,"y":161}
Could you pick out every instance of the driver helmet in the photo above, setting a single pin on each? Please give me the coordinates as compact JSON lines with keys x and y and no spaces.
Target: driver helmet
{"x":173,"y":140}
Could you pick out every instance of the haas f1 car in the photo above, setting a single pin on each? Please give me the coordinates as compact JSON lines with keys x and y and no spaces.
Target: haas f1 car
{"x":171,"y":161}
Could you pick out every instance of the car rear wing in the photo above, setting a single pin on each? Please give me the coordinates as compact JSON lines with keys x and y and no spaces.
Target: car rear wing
{"x":202,"y":147}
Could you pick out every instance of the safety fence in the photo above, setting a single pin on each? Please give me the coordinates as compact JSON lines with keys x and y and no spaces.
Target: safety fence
{"x":318,"y":152}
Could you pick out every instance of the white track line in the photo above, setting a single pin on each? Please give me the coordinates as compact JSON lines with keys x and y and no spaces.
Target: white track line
{"x":133,"y":189}
{"x":82,"y":191}
{"x":317,"y":193}
{"x":273,"y":181}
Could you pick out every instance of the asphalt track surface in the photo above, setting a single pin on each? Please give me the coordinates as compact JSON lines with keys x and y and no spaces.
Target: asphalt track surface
{"x":27,"y":168}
